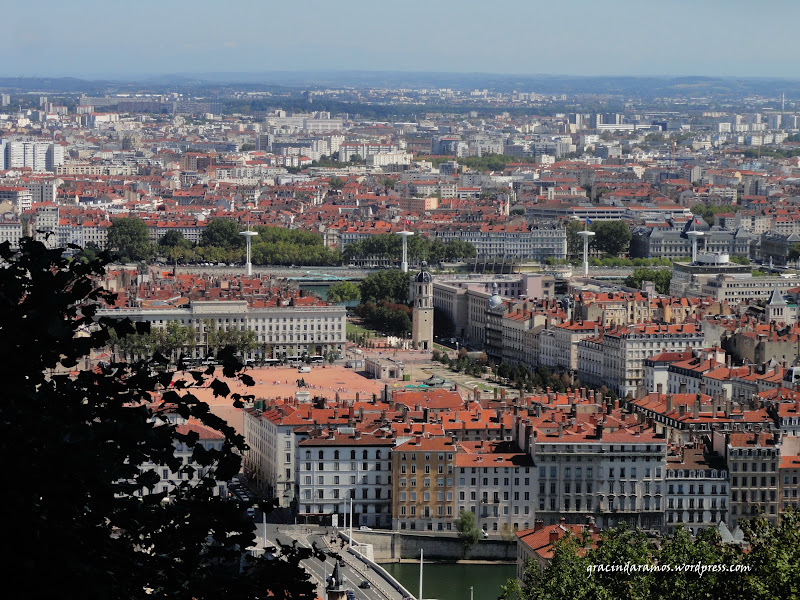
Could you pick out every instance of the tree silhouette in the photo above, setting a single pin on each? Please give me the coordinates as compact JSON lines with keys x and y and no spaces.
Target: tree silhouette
{"x":73,"y":439}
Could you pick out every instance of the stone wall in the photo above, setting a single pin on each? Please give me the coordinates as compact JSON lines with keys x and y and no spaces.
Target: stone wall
{"x":391,"y":546}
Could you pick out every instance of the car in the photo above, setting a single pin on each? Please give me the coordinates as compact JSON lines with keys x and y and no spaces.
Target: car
{"x":365,"y":585}
{"x":365,"y":528}
{"x":351,"y":595}
{"x":342,"y":563}
{"x":485,"y":533}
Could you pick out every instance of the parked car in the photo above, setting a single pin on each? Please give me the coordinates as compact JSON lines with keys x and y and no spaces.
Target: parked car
{"x":365,"y":585}
{"x":365,"y":528}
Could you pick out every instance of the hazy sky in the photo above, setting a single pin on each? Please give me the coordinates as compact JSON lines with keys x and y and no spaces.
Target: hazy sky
{"x":108,"y":38}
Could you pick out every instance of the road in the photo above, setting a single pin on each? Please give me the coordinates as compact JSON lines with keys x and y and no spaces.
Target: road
{"x":354,"y":572}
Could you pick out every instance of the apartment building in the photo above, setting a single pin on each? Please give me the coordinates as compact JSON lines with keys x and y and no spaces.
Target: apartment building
{"x":617,"y":356}
{"x":753,"y":460}
{"x":696,"y":489}
{"x":614,"y":476}
{"x":558,"y":346}
{"x":423,"y":488}
{"x":190,"y":472}
{"x":20,"y":197}
{"x":346,"y":467}
{"x":272,"y":438}
{"x":10,"y":229}
{"x":495,"y":481}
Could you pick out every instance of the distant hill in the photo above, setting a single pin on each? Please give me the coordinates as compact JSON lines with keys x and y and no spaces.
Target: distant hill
{"x":545,"y":84}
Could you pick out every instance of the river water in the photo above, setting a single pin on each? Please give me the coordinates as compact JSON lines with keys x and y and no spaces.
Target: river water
{"x":452,"y":581}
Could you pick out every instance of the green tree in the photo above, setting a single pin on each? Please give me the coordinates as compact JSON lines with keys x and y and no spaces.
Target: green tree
{"x":80,"y":436}
{"x":794,"y":252}
{"x":774,"y":557}
{"x":612,"y":237}
{"x":660,"y":277}
{"x":129,"y":237}
{"x":574,"y":241}
{"x":174,"y":239}
{"x":389,"y":285}
{"x":467,"y":527}
{"x":336,"y":183}
{"x":223,"y":233}
{"x":343,"y":291}
{"x":247,"y":147}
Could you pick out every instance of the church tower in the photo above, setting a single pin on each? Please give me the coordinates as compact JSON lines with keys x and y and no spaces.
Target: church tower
{"x":775,"y":310}
{"x":421,"y":295}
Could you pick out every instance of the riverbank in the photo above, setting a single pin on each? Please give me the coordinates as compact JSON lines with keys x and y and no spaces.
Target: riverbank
{"x":439,"y":546}
{"x":415,"y":561}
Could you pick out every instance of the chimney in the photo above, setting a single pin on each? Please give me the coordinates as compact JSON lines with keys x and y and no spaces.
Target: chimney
{"x":659,"y":387}
{"x":696,"y":408}
{"x":702,"y":387}
{"x":682,"y":387}
{"x":538,"y":525}
{"x":561,"y":430}
{"x":553,"y":537}
{"x":681,"y":410}
{"x":598,"y":431}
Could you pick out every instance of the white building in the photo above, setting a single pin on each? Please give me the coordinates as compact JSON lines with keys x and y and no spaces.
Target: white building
{"x":189,"y":473}
{"x":281,"y":331}
{"x":616,"y":357}
{"x":614,"y":476}
{"x":697,"y":490}
{"x":343,"y":465}
{"x":496,"y":486}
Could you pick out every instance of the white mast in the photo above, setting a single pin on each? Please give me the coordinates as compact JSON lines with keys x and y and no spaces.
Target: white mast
{"x":404,"y":261}
{"x":420,"y":574}
{"x":248,"y":236}
{"x":586,"y":234}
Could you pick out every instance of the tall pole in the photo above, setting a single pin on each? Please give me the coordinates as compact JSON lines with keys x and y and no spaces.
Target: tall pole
{"x":586,"y":234}
{"x":247,"y":236}
{"x":351,"y":520}
{"x":420,"y":574}
{"x":404,"y":260}
{"x":694,"y":235}
{"x":470,"y":593}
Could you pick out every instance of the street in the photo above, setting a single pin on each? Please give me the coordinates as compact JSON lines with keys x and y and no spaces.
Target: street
{"x":354,"y":571}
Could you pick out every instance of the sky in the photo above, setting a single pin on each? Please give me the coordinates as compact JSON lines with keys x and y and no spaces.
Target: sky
{"x":140,"y":38}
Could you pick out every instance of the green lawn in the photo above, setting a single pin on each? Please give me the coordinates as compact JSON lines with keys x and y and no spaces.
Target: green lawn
{"x":355,"y":329}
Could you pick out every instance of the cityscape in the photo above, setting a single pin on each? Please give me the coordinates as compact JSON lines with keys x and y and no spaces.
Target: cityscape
{"x":383,"y":332}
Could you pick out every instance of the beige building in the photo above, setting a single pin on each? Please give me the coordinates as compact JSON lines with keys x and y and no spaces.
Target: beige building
{"x":558,"y":346}
{"x":422,"y":484}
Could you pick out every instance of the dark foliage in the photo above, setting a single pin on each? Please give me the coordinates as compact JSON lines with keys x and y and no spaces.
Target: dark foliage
{"x":73,"y":440}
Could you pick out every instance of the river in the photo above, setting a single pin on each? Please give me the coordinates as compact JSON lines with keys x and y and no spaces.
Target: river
{"x":452,"y":581}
